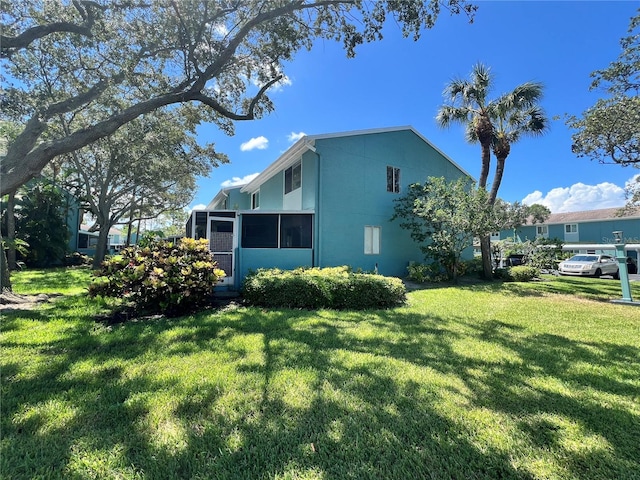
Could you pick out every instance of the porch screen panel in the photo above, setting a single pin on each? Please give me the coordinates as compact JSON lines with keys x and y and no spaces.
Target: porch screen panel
{"x":260,"y":231}
{"x":221,"y":242}
{"x":224,"y":262}
{"x":201,"y":225}
{"x":295,"y":231}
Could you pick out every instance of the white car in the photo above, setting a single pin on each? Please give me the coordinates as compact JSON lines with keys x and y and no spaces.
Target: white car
{"x":589,"y":265}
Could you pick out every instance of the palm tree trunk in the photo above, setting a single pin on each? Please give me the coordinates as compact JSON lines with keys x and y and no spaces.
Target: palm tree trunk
{"x":497,"y":179}
{"x":485,"y":241}
{"x":486,"y":163}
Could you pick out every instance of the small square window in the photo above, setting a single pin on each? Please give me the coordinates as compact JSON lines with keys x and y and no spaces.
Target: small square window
{"x":542,"y":230}
{"x":571,"y":228}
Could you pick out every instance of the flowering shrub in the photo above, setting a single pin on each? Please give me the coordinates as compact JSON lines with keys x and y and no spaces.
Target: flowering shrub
{"x":336,"y":287}
{"x":160,"y":278}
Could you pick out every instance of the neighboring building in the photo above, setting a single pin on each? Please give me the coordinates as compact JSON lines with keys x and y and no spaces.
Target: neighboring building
{"x":88,"y":241}
{"x":586,"y":227}
{"x":326,"y":201}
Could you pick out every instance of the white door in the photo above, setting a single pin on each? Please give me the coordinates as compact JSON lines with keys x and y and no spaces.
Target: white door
{"x":223,"y":241}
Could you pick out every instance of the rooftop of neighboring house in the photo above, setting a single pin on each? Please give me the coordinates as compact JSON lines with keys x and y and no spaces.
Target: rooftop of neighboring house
{"x":591,"y":215}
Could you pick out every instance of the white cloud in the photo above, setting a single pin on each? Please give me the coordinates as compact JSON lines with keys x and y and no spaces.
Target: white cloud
{"x":579,"y":197}
{"x":259,"y":143}
{"x":284,"y":82}
{"x":235,"y":181}
{"x":199,"y":206}
{"x":632,"y":183}
{"x":294,"y":137}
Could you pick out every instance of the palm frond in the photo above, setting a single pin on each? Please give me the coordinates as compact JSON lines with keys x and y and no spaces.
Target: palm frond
{"x":449,"y":114}
{"x":482,"y":79}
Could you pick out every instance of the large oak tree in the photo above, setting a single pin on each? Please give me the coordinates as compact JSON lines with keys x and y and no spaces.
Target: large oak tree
{"x":66,"y":57}
{"x":147,"y":167}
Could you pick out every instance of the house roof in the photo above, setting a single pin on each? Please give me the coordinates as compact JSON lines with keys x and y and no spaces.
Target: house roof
{"x":221,"y":195}
{"x":290,"y":156}
{"x":590,"y":216}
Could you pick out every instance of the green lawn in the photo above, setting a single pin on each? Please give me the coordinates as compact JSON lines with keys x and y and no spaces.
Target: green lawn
{"x":469,"y":382}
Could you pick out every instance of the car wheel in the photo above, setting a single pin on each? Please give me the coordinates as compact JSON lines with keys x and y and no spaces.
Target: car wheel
{"x":598,"y":273}
{"x":616,"y":275}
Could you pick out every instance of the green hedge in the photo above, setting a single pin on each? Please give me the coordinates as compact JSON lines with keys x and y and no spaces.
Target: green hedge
{"x":520,"y":273}
{"x":160,"y":278}
{"x":337,"y":288}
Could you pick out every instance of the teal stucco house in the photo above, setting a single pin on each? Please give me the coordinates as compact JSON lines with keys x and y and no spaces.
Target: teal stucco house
{"x":326,"y":201}
{"x":588,"y":227}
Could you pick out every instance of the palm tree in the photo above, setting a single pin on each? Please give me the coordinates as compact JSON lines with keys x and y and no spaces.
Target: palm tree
{"x":516,"y":114}
{"x":495,"y":124}
{"x":469,"y":107}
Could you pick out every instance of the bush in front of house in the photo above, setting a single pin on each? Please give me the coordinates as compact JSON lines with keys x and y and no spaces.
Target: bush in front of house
{"x":162,"y":277}
{"x":426,"y":273}
{"x":336,"y":288}
{"x":520,"y":273}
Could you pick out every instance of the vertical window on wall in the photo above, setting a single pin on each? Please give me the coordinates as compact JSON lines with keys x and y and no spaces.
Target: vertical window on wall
{"x":542,"y":231}
{"x":255,"y":200}
{"x":371,"y":240}
{"x":292,"y":178}
{"x":393,"y":180}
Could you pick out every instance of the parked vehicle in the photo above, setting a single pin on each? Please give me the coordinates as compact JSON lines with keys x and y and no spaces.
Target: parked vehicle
{"x":589,"y":265}
{"x":632,"y":266}
{"x":515,"y":259}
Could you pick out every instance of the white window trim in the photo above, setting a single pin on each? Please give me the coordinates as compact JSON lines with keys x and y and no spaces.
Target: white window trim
{"x":372,"y":239}
{"x":569,"y":225}
{"x":545,"y":234}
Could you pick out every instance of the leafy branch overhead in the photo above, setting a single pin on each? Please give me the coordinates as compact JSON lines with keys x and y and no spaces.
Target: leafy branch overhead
{"x":114,"y":61}
{"x":609,"y":132}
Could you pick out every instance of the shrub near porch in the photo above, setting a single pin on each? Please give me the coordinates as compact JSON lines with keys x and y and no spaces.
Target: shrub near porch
{"x":334,"y":287}
{"x":167,"y":278}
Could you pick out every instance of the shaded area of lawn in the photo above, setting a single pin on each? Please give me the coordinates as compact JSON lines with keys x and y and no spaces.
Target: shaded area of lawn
{"x":461,"y":383}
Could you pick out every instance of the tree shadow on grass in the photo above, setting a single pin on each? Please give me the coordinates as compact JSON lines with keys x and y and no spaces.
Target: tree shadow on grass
{"x":323,"y":395}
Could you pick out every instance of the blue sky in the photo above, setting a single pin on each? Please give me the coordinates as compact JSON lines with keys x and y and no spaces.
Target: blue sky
{"x":397,"y":82}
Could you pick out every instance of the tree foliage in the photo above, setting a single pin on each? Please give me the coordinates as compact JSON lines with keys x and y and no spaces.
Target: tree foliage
{"x":114,"y":61}
{"x":444,"y":217}
{"x":147,"y":167}
{"x":609,"y":132}
{"x":41,"y":223}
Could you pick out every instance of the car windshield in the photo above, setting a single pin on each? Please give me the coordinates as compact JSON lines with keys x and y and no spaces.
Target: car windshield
{"x":584,"y":258}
